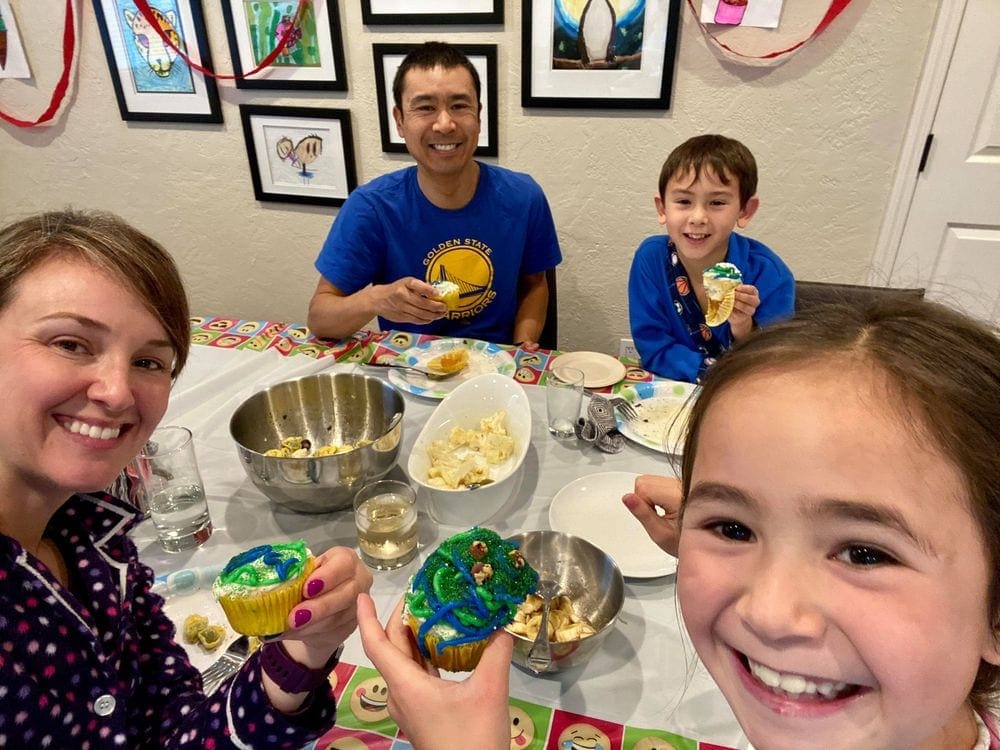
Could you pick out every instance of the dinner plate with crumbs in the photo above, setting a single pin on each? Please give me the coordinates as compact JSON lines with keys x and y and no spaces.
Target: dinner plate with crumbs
{"x":591,"y":507}
{"x":599,"y":370}
{"x":484,"y":357}
{"x":189,"y":592}
{"x":662,"y":410}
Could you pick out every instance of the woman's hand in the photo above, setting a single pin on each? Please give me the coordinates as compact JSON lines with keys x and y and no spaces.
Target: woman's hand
{"x":431,"y":711}
{"x":652,"y":492}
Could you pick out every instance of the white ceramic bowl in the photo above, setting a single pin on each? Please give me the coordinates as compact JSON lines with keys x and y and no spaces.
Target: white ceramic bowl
{"x":471,"y":401}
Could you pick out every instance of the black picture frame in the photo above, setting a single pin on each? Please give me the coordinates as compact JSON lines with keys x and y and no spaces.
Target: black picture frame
{"x":429,"y":13}
{"x":387,"y":57}
{"x":329,"y":74}
{"x":575,"y":81}
{"x":151,"y":90}
{"x":279,"y":140}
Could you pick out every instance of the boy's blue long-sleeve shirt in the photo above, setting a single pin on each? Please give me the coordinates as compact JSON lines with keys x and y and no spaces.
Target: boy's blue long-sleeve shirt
{"x":659,"y":332}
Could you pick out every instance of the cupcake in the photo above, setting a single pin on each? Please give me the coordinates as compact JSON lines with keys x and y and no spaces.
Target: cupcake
{"x":720,"y":283}
{"x":258,"y":588}
{"x":470,"y":586}
{"x":447,"y":293}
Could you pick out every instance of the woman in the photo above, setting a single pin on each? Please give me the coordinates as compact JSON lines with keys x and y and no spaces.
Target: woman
{"x":93,"y":330}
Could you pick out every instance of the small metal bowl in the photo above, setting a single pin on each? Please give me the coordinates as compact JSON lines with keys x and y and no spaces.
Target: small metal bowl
{"x":328,"y":409}
{"x":588,"y":576}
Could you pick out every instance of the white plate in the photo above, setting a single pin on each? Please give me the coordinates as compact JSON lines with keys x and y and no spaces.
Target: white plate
{"x":189,"y":592}
{"x":591,"y":507}
{"x":663,"y":407}
{"x":599,"y":370}
{"x":483,"y":358}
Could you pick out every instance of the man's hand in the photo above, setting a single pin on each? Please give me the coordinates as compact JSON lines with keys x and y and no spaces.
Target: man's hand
{"x":408,"y":300}
{"x":747,"y":300}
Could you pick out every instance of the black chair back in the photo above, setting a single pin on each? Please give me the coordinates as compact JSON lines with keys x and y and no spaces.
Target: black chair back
{"x":549,"y":337}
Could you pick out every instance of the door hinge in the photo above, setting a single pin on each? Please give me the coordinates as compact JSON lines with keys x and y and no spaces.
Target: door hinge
{"x":926,"y":153}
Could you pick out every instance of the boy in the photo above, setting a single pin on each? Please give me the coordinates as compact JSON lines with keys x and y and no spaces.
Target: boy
{"x":707,"y":187}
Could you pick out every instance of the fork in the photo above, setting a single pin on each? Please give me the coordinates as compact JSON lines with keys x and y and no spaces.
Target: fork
{"x":628,"y":411}
{"x":227,"y":664}
{"x":426,"y":373}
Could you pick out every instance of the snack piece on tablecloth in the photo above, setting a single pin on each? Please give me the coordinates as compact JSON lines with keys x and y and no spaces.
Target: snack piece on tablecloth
{"x":447,"y":293}
{"x":469,"y":587}
{"x":720,"y":283}
{"x":258,"y":588}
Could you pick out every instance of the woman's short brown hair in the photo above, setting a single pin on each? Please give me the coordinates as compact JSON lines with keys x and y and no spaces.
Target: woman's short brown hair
{"x":942,"y":367}
{"x":107,"y":242}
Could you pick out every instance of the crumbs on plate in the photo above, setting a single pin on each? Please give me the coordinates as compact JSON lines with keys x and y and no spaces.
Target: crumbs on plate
{"x":467,"y":455}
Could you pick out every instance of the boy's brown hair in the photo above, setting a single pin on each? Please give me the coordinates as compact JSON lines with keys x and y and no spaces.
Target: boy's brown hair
{"x":727,"y":158}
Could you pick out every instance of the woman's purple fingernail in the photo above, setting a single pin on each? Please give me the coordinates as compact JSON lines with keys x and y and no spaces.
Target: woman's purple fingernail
{"x":302,"y":616}
{"x":314,"y":587}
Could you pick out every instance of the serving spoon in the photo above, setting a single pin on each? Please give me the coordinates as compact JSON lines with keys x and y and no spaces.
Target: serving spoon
{"x":540,"y":653}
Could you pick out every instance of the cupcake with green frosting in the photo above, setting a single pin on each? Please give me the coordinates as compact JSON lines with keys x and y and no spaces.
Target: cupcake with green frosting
{"x":469,"y":587}
{"x":258,"y":588}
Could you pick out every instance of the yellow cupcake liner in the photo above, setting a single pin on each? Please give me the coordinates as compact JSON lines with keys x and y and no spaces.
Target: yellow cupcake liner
{"x":266,"y":613}
{"x":719,"y":310}
{"x":463,"y":657}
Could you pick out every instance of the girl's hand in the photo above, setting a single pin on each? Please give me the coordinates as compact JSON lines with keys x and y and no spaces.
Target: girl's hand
{"x":652,"y":492}
{"x":747,"y":300}
{"x":431,"y":711}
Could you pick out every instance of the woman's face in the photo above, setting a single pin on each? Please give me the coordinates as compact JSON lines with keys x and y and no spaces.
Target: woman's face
{"x":830,"y":574}
{"x":85,"y":377}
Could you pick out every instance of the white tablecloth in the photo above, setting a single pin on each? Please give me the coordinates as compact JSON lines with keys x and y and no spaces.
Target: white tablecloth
{"x":646,"y":675}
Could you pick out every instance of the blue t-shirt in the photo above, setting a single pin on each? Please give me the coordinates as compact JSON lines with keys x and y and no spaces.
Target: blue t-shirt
{"x":387,"y":229}
{"x":661,"y":336}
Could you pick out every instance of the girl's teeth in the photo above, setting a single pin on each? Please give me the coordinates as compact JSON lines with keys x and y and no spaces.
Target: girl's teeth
{"x":794,"y":684}
{"x":94,"y":431}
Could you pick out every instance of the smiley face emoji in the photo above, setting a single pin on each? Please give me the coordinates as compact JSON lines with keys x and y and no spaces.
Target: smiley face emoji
{"x":653,"y":743}
{"x":229,"y":341}
{"x":402,"y":340}
{"x":530,"y":360}
{"x":201,"y":337}
{"x":347,"y":743}
{"x":256,"y":344}
{"x":583,"y":737}
{"x":222,"y":324}
{"x":299,"y":334}
{"x":524,"y":375}
{"x":522,"y":728}
{"x":370,"y":700}
{"x":635,"y":373}
{"x":247,"y":327}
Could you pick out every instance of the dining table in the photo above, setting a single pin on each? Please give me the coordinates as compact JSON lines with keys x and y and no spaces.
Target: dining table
{"x":644,"y":685}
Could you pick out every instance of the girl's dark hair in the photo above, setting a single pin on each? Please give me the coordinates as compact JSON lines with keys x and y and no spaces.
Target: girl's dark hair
{"x":942,"y":367}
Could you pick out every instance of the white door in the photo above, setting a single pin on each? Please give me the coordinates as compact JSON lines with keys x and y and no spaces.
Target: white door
{"x":951,"y":239}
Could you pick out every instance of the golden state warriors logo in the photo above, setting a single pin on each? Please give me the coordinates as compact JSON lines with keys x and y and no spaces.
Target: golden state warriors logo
{"x":468,"y":264}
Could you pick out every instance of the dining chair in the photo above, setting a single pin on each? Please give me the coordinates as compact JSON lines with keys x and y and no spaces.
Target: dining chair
{"x":549,"y":337}
{"x":810,"y":294}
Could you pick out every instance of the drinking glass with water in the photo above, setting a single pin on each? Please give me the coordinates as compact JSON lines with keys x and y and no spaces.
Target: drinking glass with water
{"x":174,"y":495}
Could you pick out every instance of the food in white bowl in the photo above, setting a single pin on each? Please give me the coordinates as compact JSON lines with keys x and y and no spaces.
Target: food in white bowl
{"x":468,"y":456}
{"x":473,"y":401}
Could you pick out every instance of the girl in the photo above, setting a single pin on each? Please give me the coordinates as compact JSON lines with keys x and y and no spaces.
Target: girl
{"x":839,"y":547}
{"x":93,"y":329}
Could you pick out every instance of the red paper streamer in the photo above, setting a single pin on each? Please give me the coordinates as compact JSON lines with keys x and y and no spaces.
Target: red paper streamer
{"x":836,"y":6}
{"x":62,"y":85}
{"x":147,"y":13}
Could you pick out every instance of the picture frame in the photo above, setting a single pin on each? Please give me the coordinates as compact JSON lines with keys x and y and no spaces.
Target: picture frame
{"x":315,"y":59}
{"x":152,"y":83}
{"x":625,"y":62}
{"x":300,"y":154}
{"x":387,"y":58}
{"x":431,"y":12}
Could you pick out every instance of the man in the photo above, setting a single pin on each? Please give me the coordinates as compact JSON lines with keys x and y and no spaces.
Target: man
{"x":449,"y":218}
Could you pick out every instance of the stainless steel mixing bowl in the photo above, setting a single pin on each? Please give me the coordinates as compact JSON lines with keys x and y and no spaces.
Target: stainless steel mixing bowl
{"x":588,"y":576}
{"x":328,"y":409}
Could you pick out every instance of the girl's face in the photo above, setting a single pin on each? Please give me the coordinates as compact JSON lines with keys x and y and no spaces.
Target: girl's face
{"x":84,"y":378}
{"x":830,"y":574}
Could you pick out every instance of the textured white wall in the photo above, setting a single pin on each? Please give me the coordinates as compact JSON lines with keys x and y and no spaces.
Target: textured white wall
{"x":826,"y":128}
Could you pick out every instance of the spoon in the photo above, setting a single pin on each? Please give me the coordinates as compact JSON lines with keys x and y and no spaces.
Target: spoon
{"x":540,"y":654}
{"x":429,"y":374}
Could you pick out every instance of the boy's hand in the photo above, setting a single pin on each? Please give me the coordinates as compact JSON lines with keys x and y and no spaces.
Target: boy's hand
{"x":747,"y":300}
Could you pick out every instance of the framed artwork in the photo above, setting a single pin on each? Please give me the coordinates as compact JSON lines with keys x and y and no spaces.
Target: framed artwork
{"x":425,"y":12}
{"x":483,"y":56}
{"x":152,"y":82}
{"x":313,"y":59}
{"x":300,"y":154}
{"x":598,"y":54}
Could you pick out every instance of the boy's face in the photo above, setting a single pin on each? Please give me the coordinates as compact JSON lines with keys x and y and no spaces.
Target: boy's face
{"x":700,"y":214}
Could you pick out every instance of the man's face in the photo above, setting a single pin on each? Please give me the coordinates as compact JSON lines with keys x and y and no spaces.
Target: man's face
{"x":439,"y":119}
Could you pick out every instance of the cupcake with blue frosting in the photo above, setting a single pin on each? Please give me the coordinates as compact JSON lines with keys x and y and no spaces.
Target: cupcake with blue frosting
{"x":469,"y":587}
{"x":258,"y":588}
